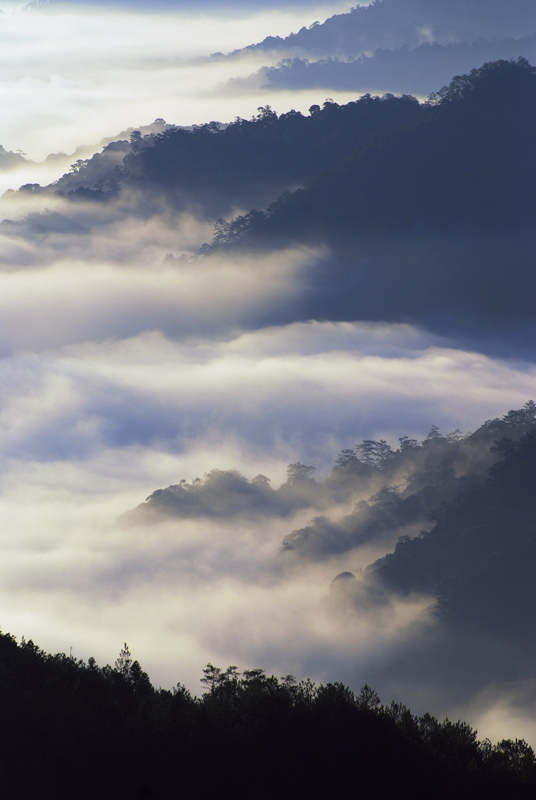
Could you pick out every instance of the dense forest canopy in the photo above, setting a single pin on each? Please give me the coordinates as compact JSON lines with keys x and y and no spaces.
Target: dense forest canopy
{"x":383,"y":162}
{"x":465,"y":165}
{"x":108,"y":732}
{"x":224,"y":165}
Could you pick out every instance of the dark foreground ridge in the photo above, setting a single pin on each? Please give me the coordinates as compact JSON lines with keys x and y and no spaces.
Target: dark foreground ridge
{"x":72,"y":729}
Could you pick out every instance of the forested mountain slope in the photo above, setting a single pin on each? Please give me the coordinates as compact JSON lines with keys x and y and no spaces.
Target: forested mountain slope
{"x":71,"y":728}
{"x":432,"y":223}
{"x":393,"y":23}
{"x":468,"y":501}
{"x":108,"y":730}
{"x":474,"y":561}
{"x":393,"y":45}
{"x":221,"y":166}
{"x":468,"y":165}
{"x":474,"y":497}
{"x":417,"y":70}
{"x":386,"y":162}
{"x":413,"y":484}
{"x":478,"y":559}
{"x":415,"y":212}
{"x":454,"y":515}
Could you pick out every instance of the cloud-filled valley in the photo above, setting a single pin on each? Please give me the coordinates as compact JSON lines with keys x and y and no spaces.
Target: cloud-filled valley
{"x":140,"y":346}
{"x":89,"y":430}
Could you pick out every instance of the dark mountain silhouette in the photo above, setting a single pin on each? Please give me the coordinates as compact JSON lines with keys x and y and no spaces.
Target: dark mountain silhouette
{"x":478,"y":558}
{"x":220,"y":166}
{"x":404,"y":487}
{"x":466,"y":166}
{"x":422,"y":212}
{"x":472,"y":560}
{"x":460,"y":508}
{"x":381,"y":164}
{"x":413,"y":484}
{"x":455,"y":515}
{"x":71,"y":728}
{"x":227,"y":494}
{"x":433,"y":222}
{"x":390,"y":24}
{"x":415,"y":70}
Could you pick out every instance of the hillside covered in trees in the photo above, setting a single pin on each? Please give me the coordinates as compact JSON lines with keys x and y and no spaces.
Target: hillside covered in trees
{"x":379,"y":164}
{"x":414,"y":212}
{"x":473,"y":556}
{"x":395,"y":23}
{"x":221,"y":166}
{"x":417,"y":70}
{"x":396,"y":45}
{"x":465,"y":166}
{"x":454,"y":513}
{"x":73,"y":728}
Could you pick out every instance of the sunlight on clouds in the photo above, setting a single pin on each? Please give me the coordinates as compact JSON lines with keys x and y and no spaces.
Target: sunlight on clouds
{"x":88,"y":430}
{"x":148,"y":389}
{"x":181,"y":594}
{"x":327,"y":366}
{"x":506,"y":712}
{"x":122,"y":372}
{"x":78,"y":301}
{"x":86,"y":75}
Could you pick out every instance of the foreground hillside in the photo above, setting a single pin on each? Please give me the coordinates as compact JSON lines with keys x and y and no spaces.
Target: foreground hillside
{"x":72,"y":729}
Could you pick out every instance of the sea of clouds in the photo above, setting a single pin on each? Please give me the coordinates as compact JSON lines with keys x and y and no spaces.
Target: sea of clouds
{"x":123,"y":372}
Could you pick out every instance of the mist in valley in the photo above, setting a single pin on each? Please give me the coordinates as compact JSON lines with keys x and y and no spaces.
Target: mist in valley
{"x":134,"y":359}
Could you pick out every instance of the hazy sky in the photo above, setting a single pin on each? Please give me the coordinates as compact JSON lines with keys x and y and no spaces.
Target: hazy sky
{"x":89,"y":74}
{"x":123,"y":373}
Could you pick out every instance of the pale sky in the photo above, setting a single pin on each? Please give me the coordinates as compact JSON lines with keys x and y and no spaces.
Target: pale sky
{"x":84,"y":74}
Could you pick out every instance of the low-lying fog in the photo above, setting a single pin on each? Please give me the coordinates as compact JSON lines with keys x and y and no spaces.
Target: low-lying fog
{"x":123,"y":372}
{"x":73,"y":77}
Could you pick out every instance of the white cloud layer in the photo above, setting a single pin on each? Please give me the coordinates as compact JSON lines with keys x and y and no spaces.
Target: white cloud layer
{"x":69,"y":78}
{"x":88,"y":430}
{"x":121,"y":373}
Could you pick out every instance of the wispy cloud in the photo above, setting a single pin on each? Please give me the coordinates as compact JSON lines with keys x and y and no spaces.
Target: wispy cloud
{"x":76,"y":76}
